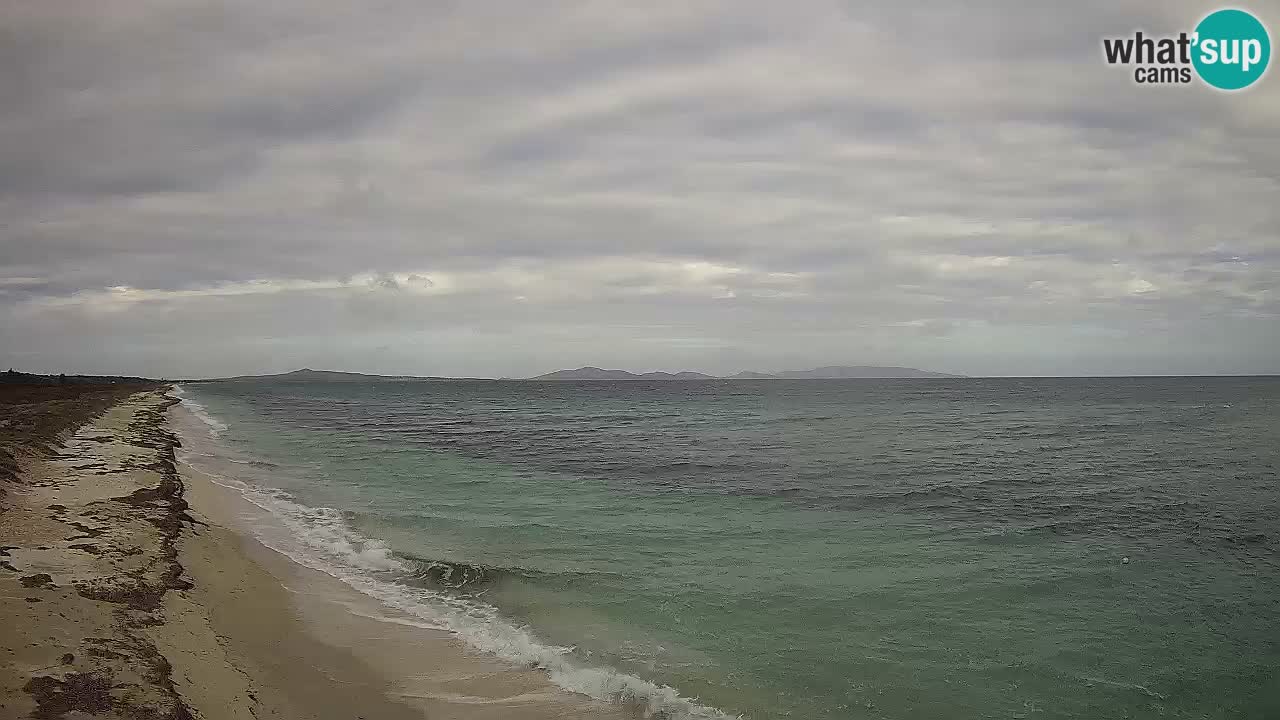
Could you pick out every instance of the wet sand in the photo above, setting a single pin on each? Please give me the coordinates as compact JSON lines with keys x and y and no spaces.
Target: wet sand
{"x":131,"y":589}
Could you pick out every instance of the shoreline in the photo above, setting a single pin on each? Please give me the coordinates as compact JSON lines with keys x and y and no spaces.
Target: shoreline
{"x":424,"y":669}
{"x":135,"y":590}
{"x":89,"y":535}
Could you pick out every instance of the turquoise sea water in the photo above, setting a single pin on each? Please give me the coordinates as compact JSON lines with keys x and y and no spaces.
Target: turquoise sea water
{"x":808,"y":549}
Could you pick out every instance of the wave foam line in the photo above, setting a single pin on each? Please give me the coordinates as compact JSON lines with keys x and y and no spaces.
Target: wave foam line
{"x":327,"y":544}
{"x":216,"y":426}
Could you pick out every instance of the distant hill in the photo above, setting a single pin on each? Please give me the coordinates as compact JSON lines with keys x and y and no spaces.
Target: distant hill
{"x":682,"y":375}
{"x":13,"y":377}
{"x":830,"y":372}
{"x":595,"y":373}
{"x":834,"y":372}
{"x":588,"y":373}
{"x":752,"y":375}
{"x":331,"y":376}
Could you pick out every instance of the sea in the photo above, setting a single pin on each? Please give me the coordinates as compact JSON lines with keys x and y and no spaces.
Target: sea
{"x":923,"y":548}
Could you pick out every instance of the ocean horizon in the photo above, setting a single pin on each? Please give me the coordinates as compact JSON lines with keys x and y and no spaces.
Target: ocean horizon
{"x":951,"y":548}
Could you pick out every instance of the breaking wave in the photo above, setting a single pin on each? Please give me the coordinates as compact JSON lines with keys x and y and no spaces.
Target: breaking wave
{"x":216,"y":427}
{"x":438,"y":594}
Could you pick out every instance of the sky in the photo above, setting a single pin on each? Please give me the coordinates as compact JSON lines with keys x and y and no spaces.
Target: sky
{"x":507,"y":188}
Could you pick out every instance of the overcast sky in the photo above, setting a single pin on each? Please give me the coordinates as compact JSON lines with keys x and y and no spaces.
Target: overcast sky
{"x":485,"y":188}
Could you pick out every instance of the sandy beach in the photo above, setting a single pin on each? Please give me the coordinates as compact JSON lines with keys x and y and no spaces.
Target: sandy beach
{"x":132,"y":590}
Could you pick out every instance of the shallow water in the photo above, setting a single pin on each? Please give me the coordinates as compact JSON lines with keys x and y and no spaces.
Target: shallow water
{"x":809,"y":549}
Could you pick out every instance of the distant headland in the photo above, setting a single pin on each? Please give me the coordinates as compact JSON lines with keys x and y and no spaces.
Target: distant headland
{"x":829,"y":372}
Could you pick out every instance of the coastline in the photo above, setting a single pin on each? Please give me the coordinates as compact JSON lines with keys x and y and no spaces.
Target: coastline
{"x":90,"y":551}
{"x":134,"y":590}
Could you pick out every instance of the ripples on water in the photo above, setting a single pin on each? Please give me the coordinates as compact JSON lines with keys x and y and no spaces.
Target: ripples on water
{"x":922,"y":548}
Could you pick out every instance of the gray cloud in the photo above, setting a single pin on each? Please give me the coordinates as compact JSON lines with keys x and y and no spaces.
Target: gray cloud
{"x":200,"y":188}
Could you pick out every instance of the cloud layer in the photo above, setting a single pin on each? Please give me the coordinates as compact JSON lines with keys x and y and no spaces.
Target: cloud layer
{"x":192,"y":188}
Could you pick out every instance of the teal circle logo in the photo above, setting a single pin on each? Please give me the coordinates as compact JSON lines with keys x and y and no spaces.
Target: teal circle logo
{"x":1231,"y":49}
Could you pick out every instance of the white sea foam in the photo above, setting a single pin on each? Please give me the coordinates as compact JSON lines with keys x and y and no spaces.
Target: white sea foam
{"x":321,"y":539}
{"x":215,"y":426}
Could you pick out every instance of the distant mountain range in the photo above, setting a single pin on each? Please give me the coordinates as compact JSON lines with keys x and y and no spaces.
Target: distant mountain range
{"x":595,"y":373}
{"x":830,"y":372}
{"x":309,"y":375}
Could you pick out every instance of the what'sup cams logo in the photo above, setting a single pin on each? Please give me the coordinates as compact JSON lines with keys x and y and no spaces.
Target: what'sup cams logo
{"x":1229,"y":50}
